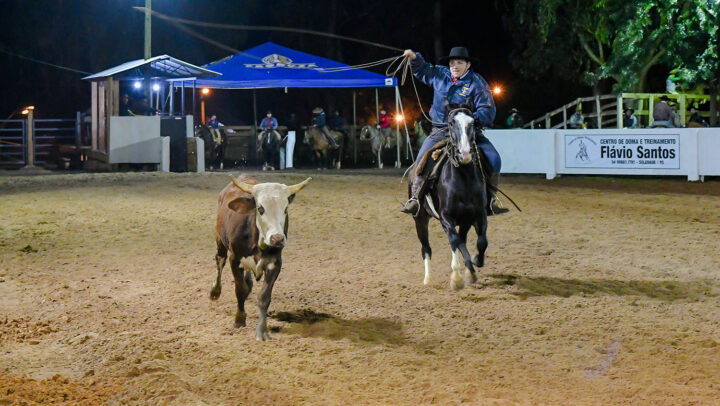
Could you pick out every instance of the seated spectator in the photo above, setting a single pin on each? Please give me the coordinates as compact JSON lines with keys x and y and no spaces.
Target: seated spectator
{"x":576,"y":121}
{"x":695,"y":119}
{"x":663,"y":114}
{"x":629,"y":119}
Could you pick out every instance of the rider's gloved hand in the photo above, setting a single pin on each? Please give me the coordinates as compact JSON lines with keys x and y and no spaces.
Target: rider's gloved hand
{"x":409,"y":54}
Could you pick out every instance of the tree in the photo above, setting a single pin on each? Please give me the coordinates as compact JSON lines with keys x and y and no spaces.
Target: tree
{"x":590,"y":40}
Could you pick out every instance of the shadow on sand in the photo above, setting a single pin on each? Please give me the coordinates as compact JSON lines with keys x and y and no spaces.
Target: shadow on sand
{"x":666,"y":291}
{"x":308,"y":323}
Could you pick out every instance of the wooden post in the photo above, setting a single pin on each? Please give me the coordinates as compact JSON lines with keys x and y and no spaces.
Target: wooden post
{"x":599,"y":113}
{"x":640,"y":109}
{"x":565,"y":117}
{"x":620,"y":111}
{"x":94,"y":115}
{"x":102,"y":117}
{"x":651,"y":106}
{"x":547,"y":120}
{"x":682,"y":109}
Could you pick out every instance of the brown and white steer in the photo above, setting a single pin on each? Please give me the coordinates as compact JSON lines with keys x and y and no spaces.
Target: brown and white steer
{"x":252,"y":224}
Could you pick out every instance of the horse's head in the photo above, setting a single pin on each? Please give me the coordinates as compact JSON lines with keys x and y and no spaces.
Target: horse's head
{"x":365,"y":133}
{"x":461,"y":130}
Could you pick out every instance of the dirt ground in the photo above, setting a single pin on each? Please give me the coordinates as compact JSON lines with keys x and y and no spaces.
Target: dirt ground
{"x":602,"y":291}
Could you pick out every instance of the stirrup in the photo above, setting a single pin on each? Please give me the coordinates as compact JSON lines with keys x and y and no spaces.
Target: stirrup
{"x":406,"y":210}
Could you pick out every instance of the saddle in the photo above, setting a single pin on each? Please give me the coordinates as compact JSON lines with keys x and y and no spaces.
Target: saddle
{"x":432,"y":153}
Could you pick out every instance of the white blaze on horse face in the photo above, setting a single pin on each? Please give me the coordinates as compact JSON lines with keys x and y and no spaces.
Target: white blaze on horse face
{"x":271,"y":201}
{"x":464,"y":122}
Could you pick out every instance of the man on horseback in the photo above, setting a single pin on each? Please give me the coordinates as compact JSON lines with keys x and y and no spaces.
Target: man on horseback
{"x":319,"y":122}
{"x":268,"y":139}
{"x":456,"y":83}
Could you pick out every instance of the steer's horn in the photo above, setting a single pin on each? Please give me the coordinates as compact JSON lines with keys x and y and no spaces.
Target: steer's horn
{"x":296,"y":188}
{"x":242,"y":185}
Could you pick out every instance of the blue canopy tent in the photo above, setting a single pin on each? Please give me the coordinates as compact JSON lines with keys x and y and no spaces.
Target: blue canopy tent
{"x":273,"y":66}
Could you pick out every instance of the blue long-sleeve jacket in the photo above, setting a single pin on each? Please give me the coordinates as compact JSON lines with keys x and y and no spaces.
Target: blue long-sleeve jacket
{"x":471,"y":88}
{"x":273,"y":123}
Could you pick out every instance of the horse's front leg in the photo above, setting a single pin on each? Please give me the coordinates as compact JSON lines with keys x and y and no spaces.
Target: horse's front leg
{"x":421,"y":227}
{"x":456,"y":280}
{"x":482,"y":243}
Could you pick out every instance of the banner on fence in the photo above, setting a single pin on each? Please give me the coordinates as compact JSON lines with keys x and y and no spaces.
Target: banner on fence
{"x":610,"y":151}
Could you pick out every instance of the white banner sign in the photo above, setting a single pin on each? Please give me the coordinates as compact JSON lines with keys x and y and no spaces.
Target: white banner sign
{"x":609,"y":151}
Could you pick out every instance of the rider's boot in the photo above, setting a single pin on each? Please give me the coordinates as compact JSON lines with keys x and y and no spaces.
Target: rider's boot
{"x":493,"y":182}
{"x":330,"y":138}
{"x":412,"y":206}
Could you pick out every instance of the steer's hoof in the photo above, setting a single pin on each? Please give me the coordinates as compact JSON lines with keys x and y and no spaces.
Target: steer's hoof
{"x":215,"y":292}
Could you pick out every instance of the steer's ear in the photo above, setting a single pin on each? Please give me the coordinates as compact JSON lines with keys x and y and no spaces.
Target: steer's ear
{"x":242,"y":204}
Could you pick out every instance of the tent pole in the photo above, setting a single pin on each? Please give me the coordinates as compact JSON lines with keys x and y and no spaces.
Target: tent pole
{"x":193,"y":113}
{"x":171,"y":110}
{"x":397,"y":129}
{"x":377,"y":107}
{"x":354,"y":128}
{"x":407,"y":133}
{"x":182,"y":99}
{"x":253,"y":136}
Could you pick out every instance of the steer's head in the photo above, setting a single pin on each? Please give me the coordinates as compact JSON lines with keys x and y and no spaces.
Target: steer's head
{"x":271,"y":209}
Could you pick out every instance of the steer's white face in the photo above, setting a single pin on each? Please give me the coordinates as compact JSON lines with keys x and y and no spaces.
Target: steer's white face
{"x":271,"y":209}
{"x":271,"y":213}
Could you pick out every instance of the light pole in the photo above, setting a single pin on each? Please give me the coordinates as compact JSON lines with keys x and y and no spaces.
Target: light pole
{"x":28,"y":111}
{"x":205,"y":92}
{"x":148,"y":29}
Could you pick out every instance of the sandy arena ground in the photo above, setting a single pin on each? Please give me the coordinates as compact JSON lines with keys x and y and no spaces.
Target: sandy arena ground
{"x":602,"y":291}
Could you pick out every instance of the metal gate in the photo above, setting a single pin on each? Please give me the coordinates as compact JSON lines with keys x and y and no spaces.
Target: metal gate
{"x":49,"y":136}
{"x":13,"y":135}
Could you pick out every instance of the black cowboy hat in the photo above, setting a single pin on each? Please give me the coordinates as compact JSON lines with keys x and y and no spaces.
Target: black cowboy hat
{"x":629,"y":108}
{"x":664,"y":98}
{"x":458,"y":53}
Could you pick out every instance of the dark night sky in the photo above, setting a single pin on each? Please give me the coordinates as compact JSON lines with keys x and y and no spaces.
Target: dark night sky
{"x":91,"y":35}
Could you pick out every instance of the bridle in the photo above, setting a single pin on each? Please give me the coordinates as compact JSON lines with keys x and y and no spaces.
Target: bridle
{"x":452,"y":148}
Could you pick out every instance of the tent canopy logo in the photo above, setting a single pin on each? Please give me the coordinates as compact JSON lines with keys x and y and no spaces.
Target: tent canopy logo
{"x":279,"y":61}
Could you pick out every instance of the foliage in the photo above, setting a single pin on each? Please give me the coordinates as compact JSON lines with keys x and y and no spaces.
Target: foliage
{"x":590,"y":40}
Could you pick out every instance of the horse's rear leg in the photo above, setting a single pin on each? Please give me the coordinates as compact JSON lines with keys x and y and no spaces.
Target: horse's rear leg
{"x":220,"y":258}
{"x":421,"y":227}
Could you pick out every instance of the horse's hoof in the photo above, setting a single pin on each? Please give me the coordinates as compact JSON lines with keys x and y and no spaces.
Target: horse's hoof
{"x":457,"y":285}
{"x":470,"y":277}
{"x":476,"y":261}
{"x":215,"y":293}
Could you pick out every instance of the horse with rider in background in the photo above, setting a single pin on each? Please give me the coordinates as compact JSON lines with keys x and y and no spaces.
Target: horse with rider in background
{"x":324,"y":152}
{"x":215,"y":142}
{"x":381,"y":140}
